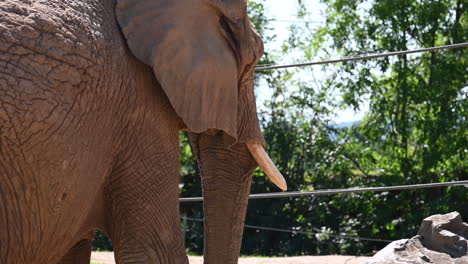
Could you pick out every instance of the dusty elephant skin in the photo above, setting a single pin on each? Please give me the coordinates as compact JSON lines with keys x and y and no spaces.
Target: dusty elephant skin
{"x":441,"y":239}
{"x":93,"y":95}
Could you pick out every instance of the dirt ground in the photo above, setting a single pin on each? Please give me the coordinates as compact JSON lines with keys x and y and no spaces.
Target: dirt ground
{"x":108,"y":258}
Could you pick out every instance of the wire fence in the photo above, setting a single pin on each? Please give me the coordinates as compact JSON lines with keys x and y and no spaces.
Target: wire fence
{"x":363,"y":57}
{"x":341,"y":191}
{"x":312,"y":233}
{"x":317,"y":231}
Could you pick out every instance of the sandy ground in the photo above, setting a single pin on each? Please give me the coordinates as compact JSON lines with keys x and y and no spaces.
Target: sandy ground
{"x":108,"y":258}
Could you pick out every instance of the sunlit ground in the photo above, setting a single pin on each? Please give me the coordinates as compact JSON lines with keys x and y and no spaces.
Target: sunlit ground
{"x":108,"y":258}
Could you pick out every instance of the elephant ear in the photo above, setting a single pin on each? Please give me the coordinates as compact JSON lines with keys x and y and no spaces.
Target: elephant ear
{"x":185,"y":43}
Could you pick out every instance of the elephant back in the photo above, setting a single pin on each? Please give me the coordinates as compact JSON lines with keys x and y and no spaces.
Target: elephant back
{"x":79,"y":34}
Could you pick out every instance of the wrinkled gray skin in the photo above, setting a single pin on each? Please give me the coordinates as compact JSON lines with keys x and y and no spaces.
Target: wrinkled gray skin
{"x":89,"y":141}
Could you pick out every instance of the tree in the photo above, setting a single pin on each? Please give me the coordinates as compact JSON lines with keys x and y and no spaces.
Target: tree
{"x":415,"y":130}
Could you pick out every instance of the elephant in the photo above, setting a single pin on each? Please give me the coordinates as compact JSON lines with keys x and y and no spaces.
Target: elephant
{"x":93,"y":95}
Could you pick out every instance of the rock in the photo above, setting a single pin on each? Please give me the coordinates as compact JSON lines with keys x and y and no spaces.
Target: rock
{"x":445,"y":233}
{"x":441,"y":239}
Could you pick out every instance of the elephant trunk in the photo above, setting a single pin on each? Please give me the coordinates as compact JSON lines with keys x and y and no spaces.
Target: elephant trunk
{"x":226,"y":178}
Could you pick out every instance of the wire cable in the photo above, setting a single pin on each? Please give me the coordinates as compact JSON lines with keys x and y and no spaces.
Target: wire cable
{"x":341,"y":191}
{"x":302,"y":232}
{"x":363,"y":57}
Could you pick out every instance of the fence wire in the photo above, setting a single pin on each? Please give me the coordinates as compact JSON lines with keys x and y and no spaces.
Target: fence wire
{"x":302,"y":232}
{"x":341,"y":191}
{"x":363,"y":57}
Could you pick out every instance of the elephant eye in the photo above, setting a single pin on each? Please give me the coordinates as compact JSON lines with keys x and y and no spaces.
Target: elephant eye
{"x":229,"y":35}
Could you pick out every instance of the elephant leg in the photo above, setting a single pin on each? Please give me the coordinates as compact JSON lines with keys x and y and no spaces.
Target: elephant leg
{"x":143,"y":194}
{"x":78,"y":254}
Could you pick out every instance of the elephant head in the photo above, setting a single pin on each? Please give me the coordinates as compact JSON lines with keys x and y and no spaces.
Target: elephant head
{"x":203,"y":53}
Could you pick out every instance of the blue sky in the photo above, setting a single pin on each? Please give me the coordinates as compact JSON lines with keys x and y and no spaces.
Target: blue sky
{"x":285,"y":14}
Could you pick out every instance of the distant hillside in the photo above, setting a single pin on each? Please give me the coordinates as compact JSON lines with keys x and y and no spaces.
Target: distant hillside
{"x":347,"y":124}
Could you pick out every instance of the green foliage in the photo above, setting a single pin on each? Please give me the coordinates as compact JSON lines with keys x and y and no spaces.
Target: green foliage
{"x":416,"y":101}
{"x":415,"y":130}
{"x":101,"y":242}
{"x":191,"y":187}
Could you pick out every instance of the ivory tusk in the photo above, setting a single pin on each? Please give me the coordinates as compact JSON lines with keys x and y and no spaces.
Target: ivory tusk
{"x":264,"y":161}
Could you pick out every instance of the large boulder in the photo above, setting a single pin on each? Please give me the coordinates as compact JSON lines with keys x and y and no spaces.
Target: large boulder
{"x":441,"y":239}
